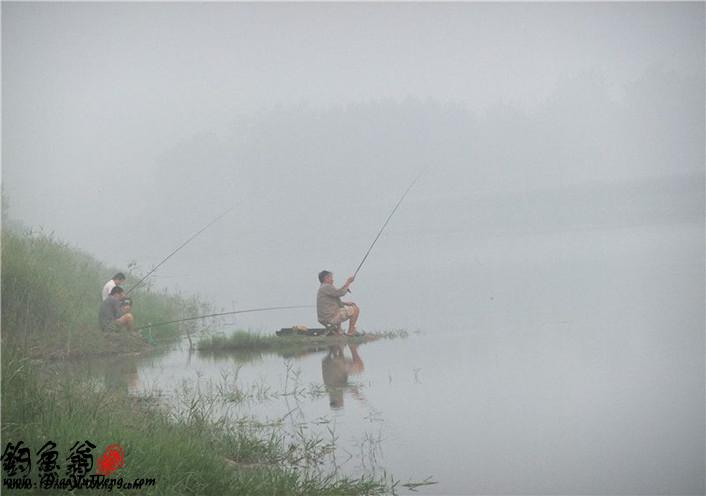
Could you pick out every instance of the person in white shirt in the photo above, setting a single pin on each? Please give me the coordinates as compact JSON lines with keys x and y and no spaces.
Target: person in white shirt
{"x":117,"y":280}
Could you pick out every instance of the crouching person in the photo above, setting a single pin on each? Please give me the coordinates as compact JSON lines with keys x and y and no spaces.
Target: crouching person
{"x":113,"y":314}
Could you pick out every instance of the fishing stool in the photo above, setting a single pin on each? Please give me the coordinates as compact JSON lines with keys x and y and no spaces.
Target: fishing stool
{"x":332,"y":329}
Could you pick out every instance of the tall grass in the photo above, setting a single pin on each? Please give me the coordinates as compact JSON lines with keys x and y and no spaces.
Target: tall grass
{"x":50,"y":301}
{"x":51,"y":297}
{"x":187,"y":453}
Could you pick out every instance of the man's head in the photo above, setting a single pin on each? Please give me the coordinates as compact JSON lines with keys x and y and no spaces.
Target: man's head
{"x":326,"y":277}
{"x":119,"y":278}
{"x":117,"y":292}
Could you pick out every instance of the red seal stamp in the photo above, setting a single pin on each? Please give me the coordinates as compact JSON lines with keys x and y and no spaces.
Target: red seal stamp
{"x":111,"y":460}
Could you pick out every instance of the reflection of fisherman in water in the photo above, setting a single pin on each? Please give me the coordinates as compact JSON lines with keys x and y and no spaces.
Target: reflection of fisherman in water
{"x":121,"y":374}
{"x":335,"y":369}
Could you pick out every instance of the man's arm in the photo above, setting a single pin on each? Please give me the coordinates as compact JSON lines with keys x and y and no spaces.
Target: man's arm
{"x":342,"y":290}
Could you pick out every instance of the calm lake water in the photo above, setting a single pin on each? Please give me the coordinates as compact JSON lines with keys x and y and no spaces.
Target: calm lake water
{"x":583,"y":374}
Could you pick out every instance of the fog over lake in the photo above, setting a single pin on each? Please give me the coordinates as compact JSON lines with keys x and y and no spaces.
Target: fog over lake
{"x":551,"y":254}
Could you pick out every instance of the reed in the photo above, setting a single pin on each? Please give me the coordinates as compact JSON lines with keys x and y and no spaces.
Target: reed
{"x":51,"y":294}
{"x":51,"y":297}
{"x":186,"y":453}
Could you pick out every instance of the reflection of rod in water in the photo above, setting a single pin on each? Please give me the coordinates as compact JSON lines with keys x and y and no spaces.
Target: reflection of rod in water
{"x":179,"y":248}
{"x":264,"y":309}
{"x":387,"y":220}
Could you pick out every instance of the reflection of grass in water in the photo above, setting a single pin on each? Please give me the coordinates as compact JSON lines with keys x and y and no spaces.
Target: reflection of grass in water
{"x":412,"y":486}
{"x":304,"y":448}
{"x":51,"y":294}
{"x":187,"y":450}
{"x":247,"y":341}
{"x":310,"y":444}
{"x":229,"y":389}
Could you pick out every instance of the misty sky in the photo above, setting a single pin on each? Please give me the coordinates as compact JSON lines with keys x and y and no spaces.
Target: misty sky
{"x":127,"y":127}
{"x":555,"y":241}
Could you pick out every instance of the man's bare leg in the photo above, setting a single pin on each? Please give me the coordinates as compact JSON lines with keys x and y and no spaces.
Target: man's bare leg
{"x":127,"y":321}
{"x":354,"y":318}
{"x":357,"y":366}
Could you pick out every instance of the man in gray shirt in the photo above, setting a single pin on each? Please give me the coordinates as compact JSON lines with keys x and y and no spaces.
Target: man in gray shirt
{"x":329,"y":307}
{"x":113,"y":315}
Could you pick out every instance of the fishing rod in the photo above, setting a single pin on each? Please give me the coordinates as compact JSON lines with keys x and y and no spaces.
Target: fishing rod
{"x":250,"y":310}
{"x":177,"y":249}
{"x":388,"y":220}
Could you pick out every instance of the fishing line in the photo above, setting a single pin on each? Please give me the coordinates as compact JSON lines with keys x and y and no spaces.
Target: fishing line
{"x":250,"y":310}
{"x":177,"y":249}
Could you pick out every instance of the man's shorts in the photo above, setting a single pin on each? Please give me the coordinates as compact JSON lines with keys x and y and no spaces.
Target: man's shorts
{"x":343,"y":314}
{"x":115,"y":325}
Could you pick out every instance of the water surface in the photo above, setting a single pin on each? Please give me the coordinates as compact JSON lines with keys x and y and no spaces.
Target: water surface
{"x":580,"y":374}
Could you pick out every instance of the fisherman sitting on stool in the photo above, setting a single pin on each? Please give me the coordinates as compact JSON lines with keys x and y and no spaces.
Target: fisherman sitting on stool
{"x":114,"y":314}
{"x":329,"y":307}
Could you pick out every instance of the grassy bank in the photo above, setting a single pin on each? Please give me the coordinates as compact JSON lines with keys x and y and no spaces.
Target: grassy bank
{"x":51,"y":296}
{"x":186,"y":453}
{"x":50,"y":300}
{"x":243,"y":341}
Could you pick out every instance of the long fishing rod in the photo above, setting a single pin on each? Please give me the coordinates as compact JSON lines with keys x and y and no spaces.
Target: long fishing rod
{"x":399,"y":202}
{"x":177,"y":249}
{"x":250,"y":310}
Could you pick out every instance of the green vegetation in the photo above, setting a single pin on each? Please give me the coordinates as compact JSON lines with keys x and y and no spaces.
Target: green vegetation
{"x":51,"y":297}
{"x":186,"y":452}
{"x":51,"y":294}
{"x":246,"y":341}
